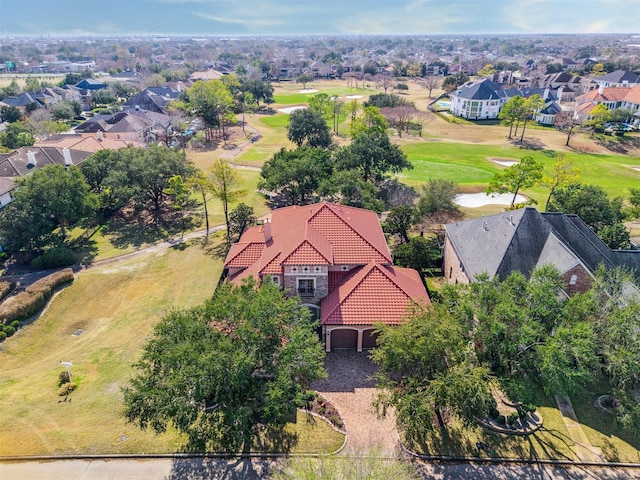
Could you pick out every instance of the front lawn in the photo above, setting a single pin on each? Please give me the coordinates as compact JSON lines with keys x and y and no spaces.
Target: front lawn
{"x":116,"y":307}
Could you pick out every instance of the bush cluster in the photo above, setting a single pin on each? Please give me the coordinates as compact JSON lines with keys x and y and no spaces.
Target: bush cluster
{"x":35,"y":296}
{"x":6,"y":288}
{"x":55,"y":258}
{"x":66,"y":389}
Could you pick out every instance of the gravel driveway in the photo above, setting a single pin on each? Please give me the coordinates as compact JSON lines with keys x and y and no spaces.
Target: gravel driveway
{"x":351,"y":389}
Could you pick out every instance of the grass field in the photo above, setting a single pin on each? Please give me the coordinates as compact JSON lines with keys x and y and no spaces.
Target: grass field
{"x":116,"y":307}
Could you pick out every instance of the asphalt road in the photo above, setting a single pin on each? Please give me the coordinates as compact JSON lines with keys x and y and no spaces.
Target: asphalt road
{"x":199,"y":468}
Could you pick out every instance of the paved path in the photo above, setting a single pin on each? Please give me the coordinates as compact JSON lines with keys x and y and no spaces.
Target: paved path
{"x":351,"y":389}
{"x":583,"y":449}
{"x":213,"y":469}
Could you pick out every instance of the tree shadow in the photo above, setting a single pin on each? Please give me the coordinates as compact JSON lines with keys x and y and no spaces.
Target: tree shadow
{"x":203,"y":468}
{"x":275,"y":439}
{"x":619,"y":145}
{"x":529,"y":144}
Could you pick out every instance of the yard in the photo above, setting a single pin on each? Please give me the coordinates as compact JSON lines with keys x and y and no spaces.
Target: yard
{"x":116,"y":307}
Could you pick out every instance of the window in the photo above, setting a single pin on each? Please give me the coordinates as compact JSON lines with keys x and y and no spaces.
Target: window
{"x":306,"y":287}
{"x":275,"y":279}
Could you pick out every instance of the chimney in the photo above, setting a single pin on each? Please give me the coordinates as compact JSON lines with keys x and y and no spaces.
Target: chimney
{"x":31,"y":157}
{"x":99,"y":135}
{"x":67,"y":157}
{"x":266,"y":227}
{"x":601,"y":89}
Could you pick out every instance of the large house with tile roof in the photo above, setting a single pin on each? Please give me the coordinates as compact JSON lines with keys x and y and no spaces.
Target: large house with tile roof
{"x":627,"y":98}
{"x":525,"y":239}
{"x":337,"y":260}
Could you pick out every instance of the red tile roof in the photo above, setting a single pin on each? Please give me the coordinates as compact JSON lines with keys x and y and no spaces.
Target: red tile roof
{"x":243,"y":254}
{"x":374,"y":293}
{"x":319,"y":234}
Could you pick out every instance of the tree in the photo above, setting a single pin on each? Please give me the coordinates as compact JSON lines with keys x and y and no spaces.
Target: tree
{"x":566,"y":122}
{"x":430,"y":83}
{"x":179,"y":192}
{"x":399,"y":222}
{"x":597,"y":118}
{"x":437,"y":195}
{"x":304,"y":79}
{"x":261,"y":91}
{"x":52,"y":197}
{"x":419,"y":253}
{"x":240,"y":218}
{"x":10,"y":114}
{"x":348,"y":188}
{"x":590,"y":202}
{"x":308,"y":127}
{"x":425,"y":368}
{"x":372,"y":155}
{"x":200,"y":183}
{"x":16,"y":135}
{"x":487,"y":70}
{"x":616,"y":236}
{"x":225,"y":182}
{"x":297,"y":173}
{"x":450,"y":83}
{"x":524,"y":174}
{"x":320,"y":103}
{"x":62,"y":111}
{"x":104,"y":96}
{"x":219,"y":371}
{"x":563,"y":174}
{"x":211,"y":101}
{"x":532,"y":105}
{"x":511,"y":112}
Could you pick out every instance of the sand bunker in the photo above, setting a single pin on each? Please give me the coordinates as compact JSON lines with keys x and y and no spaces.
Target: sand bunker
{"x":308,"y":90}
{"x":291,"y":109}
{"x":351,"y":97}
{"x":636,"y":168}
{"x":474,"y":200}
{"x":505,"y":162}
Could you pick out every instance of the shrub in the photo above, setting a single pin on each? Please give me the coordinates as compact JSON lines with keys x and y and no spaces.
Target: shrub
{"x":9,"y":330}
{"x":15,"y":324}
{"x":494,"y":413}
{"x":511,"y":419}
{"x":2,"y":335}
{"x":501,"y":420}
{"x":6,"y":288}
{"x":336,"y":421}
{"x":35,"y":296}
{"x":55,"y":258}
{"x":66,"y":389}
{"x":63,"y":377}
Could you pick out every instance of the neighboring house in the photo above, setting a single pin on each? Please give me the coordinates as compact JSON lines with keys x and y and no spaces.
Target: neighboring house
{"x":6,"y":186}
{"x":21,"y":101}
{"x":613,"y":97}
{"x":337,"y":260}
{"x":483,"y":99}
{"x":27,"y":159}
{"x":91,"y":84}
{"x":320,"y":69}
{"x":619,"y":78}
{"x":134,"y":126}
{"x":477,"y":100}
{"x":152,"y":99}
{"x":525,"y":239}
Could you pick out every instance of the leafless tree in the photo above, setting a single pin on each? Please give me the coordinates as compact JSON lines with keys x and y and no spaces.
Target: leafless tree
{"x":39,"y":124}
{"x":385,"y":81}
{"x":568,"y":124}
{"x":430,"y":83}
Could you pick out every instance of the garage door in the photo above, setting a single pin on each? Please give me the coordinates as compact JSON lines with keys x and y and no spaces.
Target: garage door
{"x":344,"y":339}
{"x":369,"y":339}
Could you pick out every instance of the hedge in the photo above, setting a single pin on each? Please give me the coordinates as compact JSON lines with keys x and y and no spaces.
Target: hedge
{"x":34,"y":298}
{"x":6,"y":288}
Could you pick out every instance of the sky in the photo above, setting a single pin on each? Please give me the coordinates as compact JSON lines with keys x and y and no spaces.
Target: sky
{"x":316,"y":17}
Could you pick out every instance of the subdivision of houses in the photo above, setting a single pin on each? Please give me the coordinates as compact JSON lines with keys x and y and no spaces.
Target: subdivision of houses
{"x":524,"y":239}
{"x":135,"y":126}
{"x":337,"y":260}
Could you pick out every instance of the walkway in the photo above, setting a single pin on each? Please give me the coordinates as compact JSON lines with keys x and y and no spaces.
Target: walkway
{"x":583,"y":449}
{"x":351,"y":389}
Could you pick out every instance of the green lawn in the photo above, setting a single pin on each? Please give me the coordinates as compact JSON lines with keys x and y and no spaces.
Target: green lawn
{"x":551,"y":442}
{"x":116,"y":306}
{"x":294,"y":98}
{"x":471,"y":167}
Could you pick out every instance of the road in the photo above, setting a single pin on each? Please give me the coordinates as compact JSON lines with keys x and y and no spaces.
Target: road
{"x":199,"y":468}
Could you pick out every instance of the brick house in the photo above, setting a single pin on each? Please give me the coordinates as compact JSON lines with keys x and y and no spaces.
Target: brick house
{"x":337,"y":260}
{"x":522,"y":240}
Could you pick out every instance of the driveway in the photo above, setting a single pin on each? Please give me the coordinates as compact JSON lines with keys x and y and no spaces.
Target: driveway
{"x":351,"y":389}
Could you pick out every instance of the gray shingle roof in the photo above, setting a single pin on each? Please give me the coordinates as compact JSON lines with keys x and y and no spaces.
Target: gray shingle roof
{"x":619,"y":76}
{"x":478,"y":90}
{"x":523,"y":239}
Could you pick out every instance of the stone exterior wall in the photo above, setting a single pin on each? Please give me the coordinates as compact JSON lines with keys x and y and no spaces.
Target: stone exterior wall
{"x":321,"y":284}
{"x":452,"y":268}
